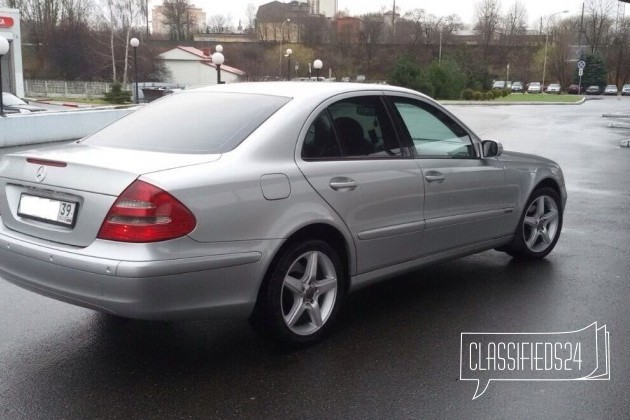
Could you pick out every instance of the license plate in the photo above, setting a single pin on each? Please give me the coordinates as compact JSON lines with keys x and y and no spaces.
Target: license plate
{"x":47,"y":210}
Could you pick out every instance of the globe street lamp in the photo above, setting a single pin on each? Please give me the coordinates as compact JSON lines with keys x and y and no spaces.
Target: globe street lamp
{"x":217,"y":60}
{"x":288,"y":56}
{"x":4,"y":48}
{"x":546,"y":42}
{"x":317,"y":64}
{"x":281,"y":40}
{"x":134,"y":43}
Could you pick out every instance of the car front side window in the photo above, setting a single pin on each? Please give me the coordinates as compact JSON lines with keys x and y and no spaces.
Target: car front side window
{"x":433,"y":133}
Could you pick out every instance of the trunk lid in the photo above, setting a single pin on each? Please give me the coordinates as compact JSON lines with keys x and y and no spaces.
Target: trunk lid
{"x":62,"y":194}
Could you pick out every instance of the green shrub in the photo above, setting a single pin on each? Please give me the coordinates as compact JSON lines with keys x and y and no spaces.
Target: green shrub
{"x":467,"y":94}
{"x":117,"y":95}
{"x":506,"y":92}
{"x":497,"y":93}
{"x":477,"y":96}
{"x":488,"y":96}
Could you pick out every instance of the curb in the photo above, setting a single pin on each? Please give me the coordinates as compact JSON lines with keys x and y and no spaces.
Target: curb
{"x":619,"y":125}
{"x":59,"y":103}
{"x":484,"y":103}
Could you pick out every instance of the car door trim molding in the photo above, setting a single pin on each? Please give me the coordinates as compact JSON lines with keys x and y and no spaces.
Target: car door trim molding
{"x":463,"y":218}
{"x":392,"y":231}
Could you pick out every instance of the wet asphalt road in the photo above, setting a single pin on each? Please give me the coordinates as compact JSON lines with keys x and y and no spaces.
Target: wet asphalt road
{"x":396,"y":352}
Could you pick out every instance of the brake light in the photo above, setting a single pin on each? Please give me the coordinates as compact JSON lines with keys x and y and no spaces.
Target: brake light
{"x":146,"y":213}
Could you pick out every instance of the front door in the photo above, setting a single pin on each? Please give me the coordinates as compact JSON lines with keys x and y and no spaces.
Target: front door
{"x":465,"y":196}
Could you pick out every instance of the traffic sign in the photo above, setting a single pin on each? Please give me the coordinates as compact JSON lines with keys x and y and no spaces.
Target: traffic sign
{"x":581,"y":64}
{"x":580,"y":72}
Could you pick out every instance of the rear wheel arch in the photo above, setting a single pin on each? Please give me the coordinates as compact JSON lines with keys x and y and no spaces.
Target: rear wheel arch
{"x":321,"y":231}
{"x":267,"y":316}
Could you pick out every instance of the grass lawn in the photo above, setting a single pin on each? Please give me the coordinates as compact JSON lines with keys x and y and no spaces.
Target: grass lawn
{"x":539,"y":97}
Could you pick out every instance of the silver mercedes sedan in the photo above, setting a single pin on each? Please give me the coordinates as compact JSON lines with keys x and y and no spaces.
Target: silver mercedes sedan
{"x":266,"y":200}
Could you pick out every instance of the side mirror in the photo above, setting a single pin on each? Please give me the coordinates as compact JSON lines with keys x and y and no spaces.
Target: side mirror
{"x":491,"y":148}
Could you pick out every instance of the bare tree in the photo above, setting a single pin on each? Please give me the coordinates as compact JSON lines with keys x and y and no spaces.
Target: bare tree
{"x":217,"y":24}
{"x":559,"y":52}
{"x":514,"y":22}
{"x":372,"y":34}
{"x":13,"y":4}
{"x":120,"y":18}
{"x":597,"y":22}
{"x":617,"y":57}
{"x":416,"y":18}
{"x":488,"y":21}
{"x":250,"y":15}
{"x":177,"y":18}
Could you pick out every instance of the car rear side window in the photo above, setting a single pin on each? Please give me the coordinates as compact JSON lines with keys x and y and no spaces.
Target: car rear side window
{"x":357,"y":127}
{"x":191,"y":122}
{"x":434,"y":134}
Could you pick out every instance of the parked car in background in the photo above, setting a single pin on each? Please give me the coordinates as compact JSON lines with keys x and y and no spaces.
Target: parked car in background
{"x":517,"y":87}
{"x":625,"y":90}
{"x":553,"y":88}
{"x":575,"y":89}
{"x":611,"y":90}
{"x":303,"y":192}
{"x":498,"y":84}
{"x":11,"y":104}
{"x":593,"y":90}
{"x":534,"y":87}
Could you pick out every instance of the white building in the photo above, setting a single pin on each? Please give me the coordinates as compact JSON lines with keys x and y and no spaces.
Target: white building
{"x":12,"y":73}
{"x":327,"y":8}
{"x":190,"y":67}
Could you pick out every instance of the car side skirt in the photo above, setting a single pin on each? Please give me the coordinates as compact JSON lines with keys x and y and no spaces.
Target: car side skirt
{"x":366,"y":279}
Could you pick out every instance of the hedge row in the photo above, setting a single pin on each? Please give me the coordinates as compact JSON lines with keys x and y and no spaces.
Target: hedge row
{"x":470,"y":95}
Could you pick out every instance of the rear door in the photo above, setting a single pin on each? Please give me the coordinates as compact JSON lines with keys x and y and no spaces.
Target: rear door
{"x":465,"y":195}
{"x":351,"y":155}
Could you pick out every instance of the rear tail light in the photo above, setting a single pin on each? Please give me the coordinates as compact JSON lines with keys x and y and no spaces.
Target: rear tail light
{"x":145,"y":213}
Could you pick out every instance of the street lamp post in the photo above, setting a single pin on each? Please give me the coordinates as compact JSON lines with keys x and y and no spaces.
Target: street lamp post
{"x":217,"y":60}
{"x":317,"y":65}
{"x":4,"y":48}
{"x":281,"y":40}
{"x":134,"y":43}
{"x":547,"y":42}
{"x":288,"y":56}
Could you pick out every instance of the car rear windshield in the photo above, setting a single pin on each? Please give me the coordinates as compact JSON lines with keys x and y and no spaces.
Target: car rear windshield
{"x":191,"y":122}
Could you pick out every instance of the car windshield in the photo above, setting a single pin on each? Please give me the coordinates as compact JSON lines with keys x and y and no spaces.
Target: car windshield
{"x":11,"y":100}
{"x":191,"y":122}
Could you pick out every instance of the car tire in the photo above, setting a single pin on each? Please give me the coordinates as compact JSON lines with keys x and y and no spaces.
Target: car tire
{"x":301,"y":296}
{"x":539,"y":227}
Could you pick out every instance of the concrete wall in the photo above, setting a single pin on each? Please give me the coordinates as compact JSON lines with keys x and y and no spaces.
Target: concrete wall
{"x":43,"y":127}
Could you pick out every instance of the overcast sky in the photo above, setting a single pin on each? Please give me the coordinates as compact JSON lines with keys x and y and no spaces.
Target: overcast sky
{"x":464,"y":8}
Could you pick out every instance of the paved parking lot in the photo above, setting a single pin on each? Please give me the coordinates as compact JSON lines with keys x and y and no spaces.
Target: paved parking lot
{"x":396,"y":352}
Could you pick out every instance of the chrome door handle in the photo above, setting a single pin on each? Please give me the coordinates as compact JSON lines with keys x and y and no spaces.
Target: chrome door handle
{"x":343,"y":184}
{"x":434,"y":176}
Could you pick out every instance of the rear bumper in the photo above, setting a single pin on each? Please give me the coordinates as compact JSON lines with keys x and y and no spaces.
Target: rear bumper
{"x":214,"y":285}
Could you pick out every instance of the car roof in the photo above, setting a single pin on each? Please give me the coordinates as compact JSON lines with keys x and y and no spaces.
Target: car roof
{"x":302,"y":90}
